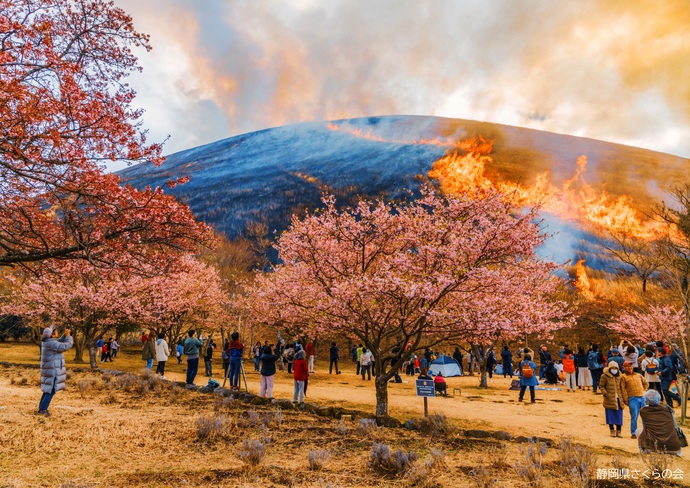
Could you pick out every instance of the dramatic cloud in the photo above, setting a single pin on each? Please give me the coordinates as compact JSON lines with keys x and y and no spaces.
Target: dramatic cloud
{"x":607,"y":69}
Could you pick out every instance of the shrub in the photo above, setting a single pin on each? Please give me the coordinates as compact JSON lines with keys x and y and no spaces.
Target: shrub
{"x":434,"y":425}
{"x":578,"y":462}
{"x":368,"y":426}
{"x":252,"y":452}
{"x":436,"y":459}
{"x":211,"y":426}
{"x":21,"y":381}
{"x":382,"y":461}
{"x":530,"y":466}
{"x":342,"y":428}
{"x":657,"y":460}
{"x":317,"y":459}
{"x":482,"y":477}
{"x":83,"y":386}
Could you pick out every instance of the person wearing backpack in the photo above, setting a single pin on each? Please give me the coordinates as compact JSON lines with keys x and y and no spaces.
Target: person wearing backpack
{"x":527,"y":377}
{"x":595,"y":363}
{"x":666,"y":373}
{"x":650,"y":366}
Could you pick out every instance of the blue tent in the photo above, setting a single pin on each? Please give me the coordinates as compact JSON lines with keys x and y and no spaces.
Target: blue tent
{"x":445,"y":365}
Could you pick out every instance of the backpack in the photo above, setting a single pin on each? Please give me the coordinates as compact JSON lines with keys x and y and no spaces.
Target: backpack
{"x":652,"y":366}
{"x":526,"y":370}
{"x":594,"y":361}
{"x":679,"y":366}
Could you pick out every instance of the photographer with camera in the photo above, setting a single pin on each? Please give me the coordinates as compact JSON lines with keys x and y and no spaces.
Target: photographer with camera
{"x":53,"y":371}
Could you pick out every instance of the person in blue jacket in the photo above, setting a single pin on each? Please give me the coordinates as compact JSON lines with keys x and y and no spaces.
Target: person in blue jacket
{"x":527,"y":378}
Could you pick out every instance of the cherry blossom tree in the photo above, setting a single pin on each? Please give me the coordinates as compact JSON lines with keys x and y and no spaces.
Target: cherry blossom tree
{"x":394,"y":274}
{"x":94,"y":303}
{"x":65,"y":109}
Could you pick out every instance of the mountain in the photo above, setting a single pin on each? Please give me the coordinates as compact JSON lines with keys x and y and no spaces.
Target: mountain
{"x":270,"y":174}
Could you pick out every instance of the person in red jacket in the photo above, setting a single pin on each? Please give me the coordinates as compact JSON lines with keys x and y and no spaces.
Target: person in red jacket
{"x":440,"y":384}
{"x":300,"y":375}
{"x":569,"y":369}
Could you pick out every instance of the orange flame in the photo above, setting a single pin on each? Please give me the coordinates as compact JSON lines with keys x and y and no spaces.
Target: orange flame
{"x":582,"y":283}
{"x":576,"y":200}
{"x":461,"y":170}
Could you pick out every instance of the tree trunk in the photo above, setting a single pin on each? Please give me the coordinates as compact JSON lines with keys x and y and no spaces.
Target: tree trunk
{"x":381,"y":383}
{"x":683,"y":392}
{"x":92,"y":356}
{"x":483,"y":377}
{"x":79,"y":347}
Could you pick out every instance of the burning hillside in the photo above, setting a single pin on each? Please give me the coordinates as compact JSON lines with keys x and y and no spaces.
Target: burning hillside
{"x":583,"y":184}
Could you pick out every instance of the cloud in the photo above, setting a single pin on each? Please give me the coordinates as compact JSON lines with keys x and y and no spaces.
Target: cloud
{"x":605,"y":69}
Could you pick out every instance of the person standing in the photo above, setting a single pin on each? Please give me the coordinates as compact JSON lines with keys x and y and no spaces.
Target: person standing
{"x":490,"y":363}
{"x":162,"y":353}
{"x":300,"y":375}
{"x":257,"y":351}
{"x":208,"y":358}
{"x":595,"y":364}
{"x":506,"y":361}
{"x":610,"y":387}
{"x":53,"y":371}
{"x":360,"y":350}
{"x":365,"y":361}
{"x":191,"y":350}
{"x":334,"y":357}
{"x":544,"y":359}
{"x":666,"y":374}
{"x":633,"y":386}
{"x":528,"y":377}
{"x":584,"y":377}
{"x":649,"y":367}
{"x":178,"y":351}
{"x":236,"y":351}
{"x":114,"y":347}
{"x":311,"y":350}
{"x":568,"y":361}
{"x":457,"y":355}
{"x":267,"y":372}
{"x":99,"y":348}
{"x":148,"y":352}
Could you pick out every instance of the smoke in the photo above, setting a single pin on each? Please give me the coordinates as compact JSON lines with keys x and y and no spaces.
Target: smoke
{"x":605,"y":69}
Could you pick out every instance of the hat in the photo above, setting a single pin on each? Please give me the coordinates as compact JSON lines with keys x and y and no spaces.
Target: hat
{"x":614,"y":350}
{"x":613,"y":364}
{"x":48,"y":331}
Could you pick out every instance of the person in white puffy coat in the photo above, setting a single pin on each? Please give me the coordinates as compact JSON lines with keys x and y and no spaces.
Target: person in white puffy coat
{"x":53,"y":370}
{"x":162,"y":354}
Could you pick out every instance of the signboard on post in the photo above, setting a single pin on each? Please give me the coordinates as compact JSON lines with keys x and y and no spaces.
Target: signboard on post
{"x":425,"y":388}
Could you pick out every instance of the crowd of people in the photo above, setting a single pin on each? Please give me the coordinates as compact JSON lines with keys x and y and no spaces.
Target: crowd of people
{"x":630,"y":376}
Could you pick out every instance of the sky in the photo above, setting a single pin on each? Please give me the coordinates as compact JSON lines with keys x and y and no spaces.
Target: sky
{"x":614,"y":70}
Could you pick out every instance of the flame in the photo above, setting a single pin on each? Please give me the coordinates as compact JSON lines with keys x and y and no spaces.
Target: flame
{"x":462,"y":170}
{"x":576,"y":200}
{"x":582,"y":283}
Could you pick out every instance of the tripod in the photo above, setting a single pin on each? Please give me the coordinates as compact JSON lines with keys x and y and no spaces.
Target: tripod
{"x":244,"y":376}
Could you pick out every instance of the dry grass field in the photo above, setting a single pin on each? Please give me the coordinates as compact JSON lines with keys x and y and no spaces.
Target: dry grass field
{"x":134,"y":430}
